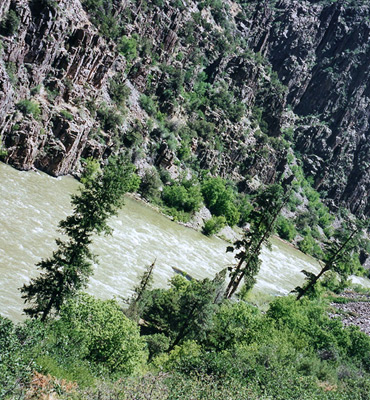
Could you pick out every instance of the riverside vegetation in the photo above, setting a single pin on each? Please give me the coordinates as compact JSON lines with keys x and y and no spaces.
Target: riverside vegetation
{"x":185,"y":342}
{"x":203,"y":102}
{"x":206,"y":110}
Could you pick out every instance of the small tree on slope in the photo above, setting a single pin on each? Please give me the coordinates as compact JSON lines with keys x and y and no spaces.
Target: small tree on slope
{"x":268,"y":205}
{"x":69,"y":267}
{"x":340,"y":257}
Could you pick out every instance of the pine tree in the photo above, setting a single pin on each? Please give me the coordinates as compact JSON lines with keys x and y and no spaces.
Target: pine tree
{"x":340,"y":257}
{"x":137,"y":302}
{"x":70,"y":266}
{"x":268,"y":205}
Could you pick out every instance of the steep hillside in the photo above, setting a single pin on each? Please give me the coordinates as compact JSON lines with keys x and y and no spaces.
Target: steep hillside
{"x":226,"y":86}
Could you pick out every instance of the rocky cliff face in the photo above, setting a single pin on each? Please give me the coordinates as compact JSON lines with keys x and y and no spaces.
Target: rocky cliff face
{"x":210,"y":85}
{"x":322,"y":54}
{"x":56,"y":58}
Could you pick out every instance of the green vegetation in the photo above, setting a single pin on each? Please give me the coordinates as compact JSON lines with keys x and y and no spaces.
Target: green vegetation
{"x":285,"y":228}
{"x":66,"y":115}
{"x":69,"y":268}
{"x":109,"y":119}
{"x":339,"y":257}
{"x":118,"y":91}
{"x":29,"y":107}
{"x":150,"y":184}
{"x":190,"y":340}
{"x":220,"y":199}
{"x":184,"y":196}
{"x":128,"y":47}
{"x":102,"y":15}
{"x":214,"y":225}
{"x":105,"y":337}
{"x":186,"y":341}
{"x":197,"y":346}
{"x":3,"y":153}
{"x":148,"y":105}
{"x":10,"y":24}
{"x":267,"y":207}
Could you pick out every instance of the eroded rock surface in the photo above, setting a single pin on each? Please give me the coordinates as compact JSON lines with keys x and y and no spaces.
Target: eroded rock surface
{"x":59,"y":59}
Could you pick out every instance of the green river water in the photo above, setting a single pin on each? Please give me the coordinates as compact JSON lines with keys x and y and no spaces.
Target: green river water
{"x":32,"y":204}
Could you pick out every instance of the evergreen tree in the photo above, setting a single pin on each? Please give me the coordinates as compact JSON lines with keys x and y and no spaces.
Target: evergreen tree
{"x":340,"y":257}
{"x":69,"y":267}
{"x":137,"y":302}
{"x":268,"y":205}
{"x":182,"y":312}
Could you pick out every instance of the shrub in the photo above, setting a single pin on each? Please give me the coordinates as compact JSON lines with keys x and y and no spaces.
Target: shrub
{"x":182,"y":312}
{"x":285,"y":229}
{"x":148,"y":105}
{"x":128,"y":47}
{"x":35,"y":90}
{"x":157,"y":343}
{"x":17,"y":358}
{"x":309,"y":321}
{"x":66,"y":115}
{"x":233,"y":324}
{"x":12,"y":71}
{"x":150,"y":184}
{"x":29,"y":107}
{"x":244,"y":207}
{"x":306,"y":245}
{"x":183,"y":197}
{"x":3,"y":153}
{"x":118,"y":91}
{"x":102,"y":15}
{"x":10,"y":24}
{"x":109,"y":119}
{"x":104,"y":334}
{"x":214,"y":225}
{"x":220,"y":200}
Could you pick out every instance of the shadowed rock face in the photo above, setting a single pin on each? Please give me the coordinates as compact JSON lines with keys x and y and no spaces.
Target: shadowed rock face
{"x":319,"y":50}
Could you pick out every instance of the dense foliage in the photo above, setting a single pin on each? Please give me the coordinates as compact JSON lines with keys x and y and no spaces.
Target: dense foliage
{"x":189,"y":340}
{"x":69,"y":267}
{"x":103,"y":334}
{"x":294,"y":351}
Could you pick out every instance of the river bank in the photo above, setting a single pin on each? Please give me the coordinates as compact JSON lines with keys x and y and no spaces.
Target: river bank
{"x":32,"y":204}
{"x":355,"y":310}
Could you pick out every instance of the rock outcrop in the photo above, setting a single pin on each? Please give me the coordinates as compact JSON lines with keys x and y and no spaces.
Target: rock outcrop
{"x":214,"y":69}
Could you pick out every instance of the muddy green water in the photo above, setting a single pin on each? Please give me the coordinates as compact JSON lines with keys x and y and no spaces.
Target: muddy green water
{"x":32,"y":204}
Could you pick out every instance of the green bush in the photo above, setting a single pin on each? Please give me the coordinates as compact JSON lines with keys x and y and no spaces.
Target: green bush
{"x":244,"y":207}
{"x":285,"y":229}
{"x":220,"y":199}
{"x":10,"y":24}
{"x":311,"y":325}
{"x":109,"y":119}
{"x":118,"y":91}
{"x":18,"y":349}
{"x":182,"y":312}
{"x":224,"y":100}
{"x":214,"y":225}
{"x":3,"y":153}
{"x":128,"y":47}
{"x":104,"y":334}
{"x":66,"y":115}
{"x":150,"y":184}
{"x":157,"y":344}
{"x":234,"y":324}
{"x":29,"y":107}
{"x":102,"y":15}
{"x":148,"y":105}
{"x":183,"y":196}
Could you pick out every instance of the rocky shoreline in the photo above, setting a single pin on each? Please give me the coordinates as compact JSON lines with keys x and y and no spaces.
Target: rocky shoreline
{"x":355,"y":311}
